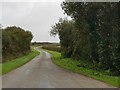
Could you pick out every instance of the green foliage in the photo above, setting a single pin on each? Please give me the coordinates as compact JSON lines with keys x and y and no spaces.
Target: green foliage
{"x":15,"y":63}
{"x":93,"y":34}
{"x":15,"y":42}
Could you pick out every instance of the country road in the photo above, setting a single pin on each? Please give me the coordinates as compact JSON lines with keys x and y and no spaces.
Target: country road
{"x":42,"y":73}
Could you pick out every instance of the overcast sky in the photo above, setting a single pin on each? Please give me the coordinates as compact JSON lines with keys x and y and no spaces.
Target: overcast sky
{"x":37,"y":17}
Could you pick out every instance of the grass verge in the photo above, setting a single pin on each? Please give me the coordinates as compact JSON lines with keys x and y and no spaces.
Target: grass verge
{"x":10,"y":65}
{"x":70,"y":64}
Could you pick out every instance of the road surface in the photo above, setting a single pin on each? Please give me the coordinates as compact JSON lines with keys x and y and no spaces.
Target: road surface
{"x":42,"y":73}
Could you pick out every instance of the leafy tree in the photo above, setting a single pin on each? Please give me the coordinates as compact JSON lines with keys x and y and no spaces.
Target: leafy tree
{"x":64,"y":28}
{"x":15,"y":42}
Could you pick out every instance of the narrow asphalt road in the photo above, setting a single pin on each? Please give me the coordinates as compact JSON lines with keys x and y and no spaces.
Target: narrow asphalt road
{"x":42,"y":73}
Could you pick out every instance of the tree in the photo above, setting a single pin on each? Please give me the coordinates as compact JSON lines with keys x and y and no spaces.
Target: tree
{"x":64,"y":29}
{"x":15,"y":42}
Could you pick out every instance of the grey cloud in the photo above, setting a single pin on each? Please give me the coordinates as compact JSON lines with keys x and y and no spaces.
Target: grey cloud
{"x":34,"y":16}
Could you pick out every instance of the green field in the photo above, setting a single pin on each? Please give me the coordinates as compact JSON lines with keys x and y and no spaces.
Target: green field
{"x":70,"y":64}
{"x":10,"y":65}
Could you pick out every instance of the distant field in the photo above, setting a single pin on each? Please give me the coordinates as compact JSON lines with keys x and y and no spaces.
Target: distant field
{"x":52,"y":47}
{"x":49,"y":46}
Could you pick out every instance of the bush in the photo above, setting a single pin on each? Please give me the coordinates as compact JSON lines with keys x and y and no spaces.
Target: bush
{"x":15,"y":42}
